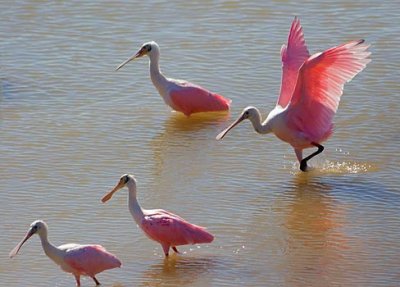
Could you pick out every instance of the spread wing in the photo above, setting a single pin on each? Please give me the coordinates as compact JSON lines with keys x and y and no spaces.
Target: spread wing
{"x":320,"y":86}
{"x":293,"y":56}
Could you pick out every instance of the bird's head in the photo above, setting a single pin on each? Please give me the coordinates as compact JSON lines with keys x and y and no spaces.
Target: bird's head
{"x":149,"y":49}
{"x":123,"y":181}
{"x":37,"y":227}
{"x":247,"y":113}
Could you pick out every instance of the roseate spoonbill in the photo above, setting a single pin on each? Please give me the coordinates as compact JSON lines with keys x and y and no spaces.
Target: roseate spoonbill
{"x":162,"y":226}
{"x":180,"y":95}
{"x":310,"y":92}
{"x":87,"y":260}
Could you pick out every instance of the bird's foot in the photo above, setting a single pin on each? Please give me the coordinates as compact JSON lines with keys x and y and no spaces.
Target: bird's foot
{"x":96,"y":281}
{"x":303,"y":166}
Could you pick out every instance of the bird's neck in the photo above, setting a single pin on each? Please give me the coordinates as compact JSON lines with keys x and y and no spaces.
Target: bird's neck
{"x":134,"y":207}
{"x":259,"y":126}
{"x":50,"y":250}
{"x":158,"y":79}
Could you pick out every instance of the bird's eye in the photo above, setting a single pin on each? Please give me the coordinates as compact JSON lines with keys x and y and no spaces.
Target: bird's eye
{"x":126,"y":179}
{"x":246,"y":113}
{"x":148,"y":48}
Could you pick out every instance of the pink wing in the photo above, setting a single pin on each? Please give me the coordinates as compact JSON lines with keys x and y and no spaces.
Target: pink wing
{"x":165,"y":227}
{"x":91,"y":259}
{"x":190,"y":98}
{"x":293,"y":56}
{"x":320,"y":86}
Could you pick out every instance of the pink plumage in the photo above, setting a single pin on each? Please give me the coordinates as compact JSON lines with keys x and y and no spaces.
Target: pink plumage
{"x":320,"y":86}
{"x":167,"y":228}
{"x":90,"y":260}
{"x":171,"y":230}
{"x":293,"y":56}
{"x":189,"y":98}
{"x":310,"y":93}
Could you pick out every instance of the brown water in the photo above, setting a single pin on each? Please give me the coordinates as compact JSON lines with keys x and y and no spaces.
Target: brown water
{"x":70,"y":126}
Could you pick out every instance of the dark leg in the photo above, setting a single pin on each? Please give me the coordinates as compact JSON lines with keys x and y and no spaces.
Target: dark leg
{"x":303,"y":163}
{"x":166,"y":249}
{"x":78,"y":280}
{"x":96,"y":281}
{"x":176,"y":250}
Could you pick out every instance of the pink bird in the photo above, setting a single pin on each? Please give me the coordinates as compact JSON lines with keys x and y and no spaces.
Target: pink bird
{"x":162,"y":226}
{"x":181,"y":96}
{"x":87,"y":260}
{"x":310,"y":93}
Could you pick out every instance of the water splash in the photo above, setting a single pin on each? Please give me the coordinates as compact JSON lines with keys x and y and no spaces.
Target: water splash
{"x":336,"y":167}
{"x":348,"y":167}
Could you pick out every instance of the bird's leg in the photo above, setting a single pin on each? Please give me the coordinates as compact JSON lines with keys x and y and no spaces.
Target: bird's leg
{"x":96,"y":281}
{"x":303,"y":162}
{"x":176,"y":250}
{"x":78,"y":280}
{"x":299,"y":154}
{"x":166,"y":249}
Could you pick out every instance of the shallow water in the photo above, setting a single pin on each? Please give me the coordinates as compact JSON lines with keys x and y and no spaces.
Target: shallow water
{"x":70,"y":126}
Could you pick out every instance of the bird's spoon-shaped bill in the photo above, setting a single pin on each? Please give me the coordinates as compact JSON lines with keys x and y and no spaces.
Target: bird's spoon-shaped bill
{"x":126,"y":62}
{"x":19,"y":245}
{"x":108,"y":196}
{"x":139,"y":54}
{"x":221,"y":135}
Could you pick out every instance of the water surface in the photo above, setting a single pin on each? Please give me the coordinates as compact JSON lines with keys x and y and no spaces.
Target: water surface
{"x":70,"y":126}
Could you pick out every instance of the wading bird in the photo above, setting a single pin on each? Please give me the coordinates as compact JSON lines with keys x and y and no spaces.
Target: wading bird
{"x":310,"y":93}
{"x":162,"y":226}
{"x":86,"y":260}
{"x":180,"y":95}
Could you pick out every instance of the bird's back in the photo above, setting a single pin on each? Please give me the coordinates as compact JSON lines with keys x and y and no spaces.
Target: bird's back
{"x":166,"y":227}
{"x":189,"y":98}
{"x":91,"y":259}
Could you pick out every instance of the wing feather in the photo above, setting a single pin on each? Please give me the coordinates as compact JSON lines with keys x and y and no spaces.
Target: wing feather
{"x":320,"y":86}
{"x":190,"y":98}
{"x":91,"y":259}
{"x":165,"y":227}
{"x":293,"y":56}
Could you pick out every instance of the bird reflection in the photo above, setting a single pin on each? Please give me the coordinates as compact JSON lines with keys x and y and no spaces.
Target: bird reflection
{"x":178,"y":271}
{"x":315,"y":243}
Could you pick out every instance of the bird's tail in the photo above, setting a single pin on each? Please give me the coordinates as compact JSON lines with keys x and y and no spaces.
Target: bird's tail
{"x":219,"y":103}
{"x":199,"y":234}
